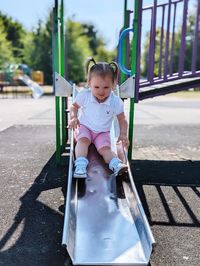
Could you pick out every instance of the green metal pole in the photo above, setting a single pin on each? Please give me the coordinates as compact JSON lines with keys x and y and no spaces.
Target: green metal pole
{"x":57,"y":69}
{"x":133,"y":69}
{"x":62,"y":68}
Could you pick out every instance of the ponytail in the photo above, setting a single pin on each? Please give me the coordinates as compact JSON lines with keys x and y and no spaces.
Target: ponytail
{"x":87,"y":64}
{"x":101,"y":68}
{"x":115,"y":68}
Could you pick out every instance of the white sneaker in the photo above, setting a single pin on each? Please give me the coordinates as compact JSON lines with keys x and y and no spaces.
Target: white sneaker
{"x":117,"y":166}
{"x":80,"y":172}
{"x":80,"y":167}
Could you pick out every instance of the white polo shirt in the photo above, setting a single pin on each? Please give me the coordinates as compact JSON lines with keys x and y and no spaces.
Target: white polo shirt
{"x":98,"y":116}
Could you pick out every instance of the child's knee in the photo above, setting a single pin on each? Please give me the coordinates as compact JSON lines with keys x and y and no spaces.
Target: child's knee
{"x":104,"y":150}
{"x":84,"y":140}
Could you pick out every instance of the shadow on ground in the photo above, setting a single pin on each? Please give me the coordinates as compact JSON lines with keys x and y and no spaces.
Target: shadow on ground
{"x":39,"y":242}
{"x":169,"y":191}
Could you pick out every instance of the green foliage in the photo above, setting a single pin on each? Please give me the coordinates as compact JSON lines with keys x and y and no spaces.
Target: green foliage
{"x":93,"y":39}
{"x":34,"y":48}
{"x":188,"y":45}
{"x":28,"y":48}
{"x":78,"y":50}
{"x":82,"y":42}
{"x":104,"y":55}
{"x":40,"y":50}
{"x":145,"y":55}
{"x":14,"y":34}
{"x":6,"y":55}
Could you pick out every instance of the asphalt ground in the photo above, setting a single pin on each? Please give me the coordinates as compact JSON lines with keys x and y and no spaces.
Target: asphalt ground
{"x":165,"y":165}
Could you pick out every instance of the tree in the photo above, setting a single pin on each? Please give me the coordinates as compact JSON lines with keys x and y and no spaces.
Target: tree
{"x":78,"y":50}
{"x":105,"y":55}
{"x":14,"y":34}
{"x":94,"y":40}
{"x":83,"y":41}
{"x":6,"y":55}
{"x":34,"y":48}
{"x":188,"y":45}
{"x":38,"y":51}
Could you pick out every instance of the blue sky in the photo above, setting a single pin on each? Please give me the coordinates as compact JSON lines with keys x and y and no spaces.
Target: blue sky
{"x":107,"y":20}
{"x":106,"y":15}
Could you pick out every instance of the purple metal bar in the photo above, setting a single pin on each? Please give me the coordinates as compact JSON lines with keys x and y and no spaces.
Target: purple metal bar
{"x":172,"y":78}
{"x":176,"y":89}
{"x":195,"y":43}
{"x":167,"y":42}
{"x":172,"y":43}
{"x":152,"y":42}
{"x":150,"y":47}
{"x":183,"y":34}
{"x":161,"y":42}
{"x":137,"y":76}
{"x":161,"y":5}
{"x":169,"y":38}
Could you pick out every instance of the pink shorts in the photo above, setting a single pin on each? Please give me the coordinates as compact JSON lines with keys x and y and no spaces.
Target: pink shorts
{"x":100,"y":140}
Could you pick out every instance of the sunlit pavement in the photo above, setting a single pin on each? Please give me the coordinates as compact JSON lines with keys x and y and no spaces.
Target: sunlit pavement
{"x":166,"y":165}
{"x":27,"y":111}
{"x":163,"y":110}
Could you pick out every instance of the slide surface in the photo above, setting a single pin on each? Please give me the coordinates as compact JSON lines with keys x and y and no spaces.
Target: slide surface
{"x":36,"y":89}
{"x":105,"y":223}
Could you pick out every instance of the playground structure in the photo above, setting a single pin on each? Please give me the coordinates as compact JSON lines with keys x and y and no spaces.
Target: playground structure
{"x":169,"y":17}
{"x":15,"y":75}
{"x":105,"y":223}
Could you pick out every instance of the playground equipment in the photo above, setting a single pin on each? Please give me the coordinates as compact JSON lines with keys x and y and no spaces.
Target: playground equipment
{"x":20,"y":74}
{"x":104,"y":222}
{"x":168,"y":21}
{"x":37,"y":91}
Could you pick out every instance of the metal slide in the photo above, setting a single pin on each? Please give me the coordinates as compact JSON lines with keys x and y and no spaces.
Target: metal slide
{"x":37,"y":91}
{"x":104,"y":222}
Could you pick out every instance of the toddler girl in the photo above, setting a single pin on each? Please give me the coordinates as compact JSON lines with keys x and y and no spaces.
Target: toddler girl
{"x":92,"y":113}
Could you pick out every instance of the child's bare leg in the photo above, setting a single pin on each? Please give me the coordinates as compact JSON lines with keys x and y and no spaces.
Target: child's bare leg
{"x":107,"y":154}
{"x":81,"y":149}
{"x":115,"y":164}
{"x":81,"y":161}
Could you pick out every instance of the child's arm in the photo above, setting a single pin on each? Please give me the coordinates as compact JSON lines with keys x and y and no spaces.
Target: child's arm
{"x":74,"y":122}
{"x":123,"y":125}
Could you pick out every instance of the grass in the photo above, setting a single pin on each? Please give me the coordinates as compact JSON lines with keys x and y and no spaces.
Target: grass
{"x":186,"y":94}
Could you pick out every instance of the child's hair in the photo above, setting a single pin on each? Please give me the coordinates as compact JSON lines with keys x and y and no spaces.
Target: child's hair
{"x":102,"y":69}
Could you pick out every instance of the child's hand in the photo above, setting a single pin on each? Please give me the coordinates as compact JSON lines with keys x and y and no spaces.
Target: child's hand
{"x":124,"y":139}
{"x":74,"y":123}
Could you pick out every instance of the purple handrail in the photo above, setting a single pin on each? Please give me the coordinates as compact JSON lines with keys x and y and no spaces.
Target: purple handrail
{"x":167,"y":15}
{"x":167,"y":42}
{"x":195,"y":43}
{"x":161,"y":42}
{"x":152,"y":43}
{"x":172,"y":43}
{"x":137,"y":77}
{"x":183,"y":34}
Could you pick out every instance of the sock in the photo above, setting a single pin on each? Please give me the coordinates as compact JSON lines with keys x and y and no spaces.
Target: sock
{"x":114,"y":163}
{"x":81,"y":161}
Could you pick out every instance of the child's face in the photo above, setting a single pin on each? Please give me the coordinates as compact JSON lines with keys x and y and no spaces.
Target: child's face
{"x":101,"y":87}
